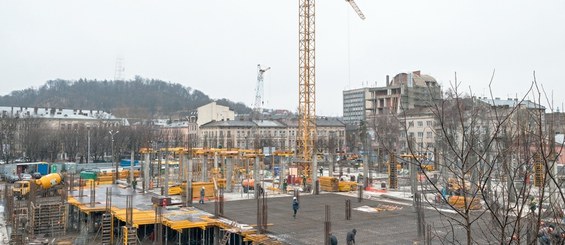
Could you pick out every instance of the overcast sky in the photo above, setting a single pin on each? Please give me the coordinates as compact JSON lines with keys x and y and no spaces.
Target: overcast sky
{"x":214,"y":46}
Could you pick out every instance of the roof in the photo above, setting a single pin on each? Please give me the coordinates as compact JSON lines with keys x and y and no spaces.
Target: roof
{"x":510,"y":102}
{"x":320,"y":122}
{"x":268,"y":124}
{"x":228,"y":123}
{"x":55,"y":113}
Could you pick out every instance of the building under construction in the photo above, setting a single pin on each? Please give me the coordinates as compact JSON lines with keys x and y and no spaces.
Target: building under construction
{"x":87,"y":208}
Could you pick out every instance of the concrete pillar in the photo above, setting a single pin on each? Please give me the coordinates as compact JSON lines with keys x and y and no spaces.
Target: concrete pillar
{"x":332,"y":165}
{"x":314,"y":172}
{"x":146,"y":172}
{"x":282,"y":171}
{"x":216,"y":160}
{"x":366,"y":170}
{"x":256,"y":175}
{"x":182,"y":168}
{"x":204,"y":168}
{"x":229,"y":173}
{"x":131,"y":176}
{"x":167,"y":173}
{"x":189,"y":181}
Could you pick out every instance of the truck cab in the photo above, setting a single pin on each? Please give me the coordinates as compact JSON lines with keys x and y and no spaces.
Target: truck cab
{"x":21,"y":189}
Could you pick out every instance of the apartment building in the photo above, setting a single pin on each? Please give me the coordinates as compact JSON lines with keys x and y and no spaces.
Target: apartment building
{"x":280,"y":134}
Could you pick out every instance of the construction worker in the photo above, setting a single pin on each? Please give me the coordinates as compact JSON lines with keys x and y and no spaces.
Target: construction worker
{"x":134,"y":184}
{"x":295,"y":206}
{"x":533,"y":205}
{"x":202,"y":193}
{"x":350,"y":239}
{"x":284,"y":185}
{"x":333,"y":239}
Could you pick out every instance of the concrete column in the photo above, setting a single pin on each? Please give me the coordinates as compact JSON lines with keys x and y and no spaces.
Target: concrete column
{"x":204,"y":171}
{"x":366,"y":170}
{"x":182,"y":168}
{"x":146,"y":172}
{"x":282,"y":171}
{"x":256,"y":175}
{"x":216,"y":160}
{"x":189,"y":181}
{"x":167,"y":173}
{"x":314,"y":171}
{"x":131,"y":176}
{"x":332,"y":165}
{"x":229,"y":174}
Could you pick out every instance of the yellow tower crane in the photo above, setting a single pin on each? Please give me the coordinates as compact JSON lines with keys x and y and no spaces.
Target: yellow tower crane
{"x":307,"y":134}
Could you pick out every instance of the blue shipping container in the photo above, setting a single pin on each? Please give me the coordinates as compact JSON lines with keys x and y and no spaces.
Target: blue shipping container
{"x":43,"y":168}
{"x":127,"y":163}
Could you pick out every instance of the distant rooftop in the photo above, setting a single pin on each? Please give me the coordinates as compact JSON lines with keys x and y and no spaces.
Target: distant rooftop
{"x":511,"y":102}
{"x":54,"y":113}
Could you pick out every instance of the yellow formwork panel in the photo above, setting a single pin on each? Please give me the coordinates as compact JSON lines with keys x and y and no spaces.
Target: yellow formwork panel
{"x":261,"y":239}
{"x":177,"y":220}
{"x":139,"y":217}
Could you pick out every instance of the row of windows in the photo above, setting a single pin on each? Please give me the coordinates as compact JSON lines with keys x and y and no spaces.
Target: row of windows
{"x":420,"y":145}
{"x":420,"y":134}
{"x":421,"y":123}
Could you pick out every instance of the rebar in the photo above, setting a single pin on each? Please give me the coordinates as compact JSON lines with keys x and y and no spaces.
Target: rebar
{"x":348,"y":209}
{"x":327,"y":226}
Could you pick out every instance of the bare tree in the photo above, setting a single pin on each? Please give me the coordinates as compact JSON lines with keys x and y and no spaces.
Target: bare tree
{"x":485,"y":153}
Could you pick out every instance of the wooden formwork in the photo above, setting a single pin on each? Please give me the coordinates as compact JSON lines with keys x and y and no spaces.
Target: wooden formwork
{"x":48,"y":218}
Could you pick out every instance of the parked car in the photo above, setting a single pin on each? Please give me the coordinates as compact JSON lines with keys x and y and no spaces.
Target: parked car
{"x":26,"y":177}
{"x":11,"y":178}
{"x":36,"y":175}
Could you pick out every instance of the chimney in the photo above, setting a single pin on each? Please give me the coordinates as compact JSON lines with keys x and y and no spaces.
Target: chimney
{"x":416,"y":73}
{"x":387,"y":80}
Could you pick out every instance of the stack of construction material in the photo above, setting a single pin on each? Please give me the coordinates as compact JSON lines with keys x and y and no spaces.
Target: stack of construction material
{"x":329,"y":183}
{"x":460,"y":202}
{"x":345,"y":186}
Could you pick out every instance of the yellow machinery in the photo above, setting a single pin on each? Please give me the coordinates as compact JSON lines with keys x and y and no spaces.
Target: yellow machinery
{"x":455,"y":185}
{"x":22,"y":188}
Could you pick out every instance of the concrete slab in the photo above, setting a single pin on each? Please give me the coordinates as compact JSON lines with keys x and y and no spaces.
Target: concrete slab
{"x":397,"y":226}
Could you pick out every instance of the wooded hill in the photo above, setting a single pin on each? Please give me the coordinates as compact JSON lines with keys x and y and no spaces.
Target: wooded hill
{"x":138,"y":98}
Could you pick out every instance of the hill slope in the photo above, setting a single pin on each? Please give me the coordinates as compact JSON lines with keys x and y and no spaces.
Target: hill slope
{"x":138,"y":98}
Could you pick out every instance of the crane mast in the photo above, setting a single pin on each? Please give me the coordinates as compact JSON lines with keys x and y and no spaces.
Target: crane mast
{"x":258,"y":106}
{"x":307,"y":132}
{"x":305,"y":141}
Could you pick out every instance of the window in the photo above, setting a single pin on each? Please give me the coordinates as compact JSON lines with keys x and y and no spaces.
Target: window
{"x":429,"y":123}
{"x":420,"y":123}
{"x":410,"y":124}
{"x":420,"y":134}
{"x":411,"y":134}
{"x":428,"y":134}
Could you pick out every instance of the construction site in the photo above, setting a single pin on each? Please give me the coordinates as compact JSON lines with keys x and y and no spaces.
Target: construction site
{"x":242,"y":204}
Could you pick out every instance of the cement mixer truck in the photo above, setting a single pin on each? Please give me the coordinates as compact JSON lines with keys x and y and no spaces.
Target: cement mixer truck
{"x":46,"y":184}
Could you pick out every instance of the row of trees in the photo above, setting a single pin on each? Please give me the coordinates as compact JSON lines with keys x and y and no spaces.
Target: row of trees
{"x":31,"y":140}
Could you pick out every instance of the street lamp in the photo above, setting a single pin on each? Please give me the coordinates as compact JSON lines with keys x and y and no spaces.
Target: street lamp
{"x":112,"y":133}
